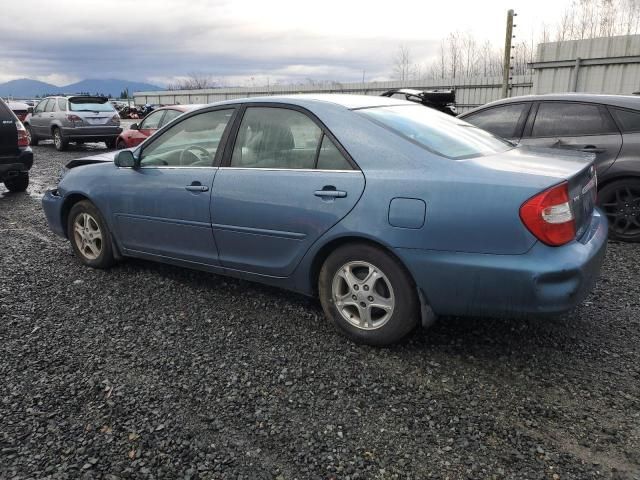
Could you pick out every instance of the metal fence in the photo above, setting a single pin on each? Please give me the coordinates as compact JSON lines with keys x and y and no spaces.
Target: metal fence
{"x":470,"y":92}
{"x":599,"y":65}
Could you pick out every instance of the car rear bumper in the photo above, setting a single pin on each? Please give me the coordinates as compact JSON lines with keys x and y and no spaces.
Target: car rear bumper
{"x":52,"y":205}
{"x":91,"y":133}
{"x":20,"y":163}
{"x":545,"y":280}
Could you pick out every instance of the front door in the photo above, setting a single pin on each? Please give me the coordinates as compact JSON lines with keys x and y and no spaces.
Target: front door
{"x":37,"y":120}
{"x":285,"y":184}
{"x":575,"y":126}
{"x":163,"y":210}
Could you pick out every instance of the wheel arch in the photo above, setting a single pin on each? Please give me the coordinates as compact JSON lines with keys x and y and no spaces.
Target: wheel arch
{"x":618,"y":178}
{"x":67,"y":205}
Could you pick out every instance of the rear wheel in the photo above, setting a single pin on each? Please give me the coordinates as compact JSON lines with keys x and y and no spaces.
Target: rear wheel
{"x":368,"y":294}
{"x":33,"y":140}
{"x":17,"y":184}
{"x":59,"y":141}
{"x":620,"y":201}
{"x":89,"y":236}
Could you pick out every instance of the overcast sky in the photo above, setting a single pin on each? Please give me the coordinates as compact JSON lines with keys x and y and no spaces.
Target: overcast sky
{"x":64,"y":41}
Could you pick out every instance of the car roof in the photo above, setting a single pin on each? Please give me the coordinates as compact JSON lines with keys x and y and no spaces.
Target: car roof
{"x":182,"y":107}
{"x":348,"y":101}
{"x":624,"y":101}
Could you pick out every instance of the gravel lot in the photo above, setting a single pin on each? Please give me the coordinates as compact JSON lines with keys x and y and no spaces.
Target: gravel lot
{"x":150,"y":371}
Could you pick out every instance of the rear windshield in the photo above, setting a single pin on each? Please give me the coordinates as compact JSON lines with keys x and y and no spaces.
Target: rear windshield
{"x":90,"y":105}
{"x":437,"y":132}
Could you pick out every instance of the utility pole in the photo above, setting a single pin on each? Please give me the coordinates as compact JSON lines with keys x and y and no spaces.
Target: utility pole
{"x":506,"y":68}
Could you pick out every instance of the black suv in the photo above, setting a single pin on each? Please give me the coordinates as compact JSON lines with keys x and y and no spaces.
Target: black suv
{"x":16,"y":157}
{"x":605,"y":125}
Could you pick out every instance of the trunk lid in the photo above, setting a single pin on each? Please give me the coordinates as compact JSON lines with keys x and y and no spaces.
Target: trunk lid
{"x":548,"y":167}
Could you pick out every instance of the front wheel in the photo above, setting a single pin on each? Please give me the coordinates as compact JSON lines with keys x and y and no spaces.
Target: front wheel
{"x":368,"y":294}
{"x":18,"y":183}
{"x":620,"y":201}
{"x":89,"y":236}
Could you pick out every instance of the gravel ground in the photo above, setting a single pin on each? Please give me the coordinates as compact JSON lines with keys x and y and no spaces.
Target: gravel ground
{"x":150,"y":371}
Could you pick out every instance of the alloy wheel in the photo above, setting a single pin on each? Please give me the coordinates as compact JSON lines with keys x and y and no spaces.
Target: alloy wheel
{"x":622,"y":207}
{"x":57,"y":139}
{"x":363,"y":295}
{"x":88,"y":236}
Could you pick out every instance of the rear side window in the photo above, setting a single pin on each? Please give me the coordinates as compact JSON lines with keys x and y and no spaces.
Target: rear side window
{"x":502,"y":121}
{"x":62,"y":104}
{"x":276,"y":138}
{"x":628,"y":120}
{"x":439,"y":133}
{"x":330,"y":157}
{"x":560,"y":119}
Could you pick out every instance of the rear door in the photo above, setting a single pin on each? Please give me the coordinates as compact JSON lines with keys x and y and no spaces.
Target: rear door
{"x":283,"y":184}
{"x":506,"y":121}
{"x":585,"y":127}
{"x":8,"y":132}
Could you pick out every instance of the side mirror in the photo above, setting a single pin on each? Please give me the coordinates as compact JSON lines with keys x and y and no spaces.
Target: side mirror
{"x":134,"y":126}
{"x":125,"y":159}
{"x":30,"y":110}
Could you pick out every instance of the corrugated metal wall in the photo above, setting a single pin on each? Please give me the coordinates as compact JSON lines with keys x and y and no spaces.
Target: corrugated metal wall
{"x":470,"y":92}
{"x":606,"y":65}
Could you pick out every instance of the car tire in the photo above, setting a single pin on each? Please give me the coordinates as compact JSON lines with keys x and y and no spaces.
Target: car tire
{"x":120,"y":145}
{"x":59,"y":141}
{"x":380,"y":305}
{"x":620,"y":201}
{"x":18,"y":183}
{"x":89,"y":236}
{"x":33,"y":140}
{"x":111,"y":143}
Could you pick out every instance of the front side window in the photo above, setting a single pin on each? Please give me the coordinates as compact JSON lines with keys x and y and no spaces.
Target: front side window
{"x":170,"y":115}
{"x":502,"y":121}
{"x":439,"y":133}
{"x":276,"y":138}
{"x":563,"y":119}
{"x":192,"y":142}
{"x":152,"y":121}
{"x":51,"y":103}
{"x":40,"y":106}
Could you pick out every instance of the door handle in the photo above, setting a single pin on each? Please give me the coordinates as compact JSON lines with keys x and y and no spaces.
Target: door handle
{"x":591,"y":149}
{"x":197,"y":187}
{"x":330,"y":193}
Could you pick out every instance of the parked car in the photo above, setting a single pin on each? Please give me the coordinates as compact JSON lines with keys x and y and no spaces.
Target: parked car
{"x":137,"y":133}
{"x":388,"y":211}
{"x":21,"y":110}
{"x":77,"y":118}
{"x":16,"y":157}
{"x":439,"y":99}
{"x":605,"y":125}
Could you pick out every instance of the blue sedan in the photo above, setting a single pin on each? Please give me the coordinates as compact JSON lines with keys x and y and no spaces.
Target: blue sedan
{"x":390,"y":212}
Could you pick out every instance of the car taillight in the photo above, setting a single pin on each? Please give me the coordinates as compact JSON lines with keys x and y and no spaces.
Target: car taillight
{"x":549,"y":217}
{"x":74,"y":118}
{"x":23,"y":139}
{"x":115,"y":119}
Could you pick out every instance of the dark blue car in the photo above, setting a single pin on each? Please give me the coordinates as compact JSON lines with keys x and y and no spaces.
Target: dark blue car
{"x":390,"y":212}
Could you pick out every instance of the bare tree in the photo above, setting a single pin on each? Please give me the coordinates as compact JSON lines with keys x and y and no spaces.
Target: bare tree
{"x":194,"y":81}
{"x":403,"y":67}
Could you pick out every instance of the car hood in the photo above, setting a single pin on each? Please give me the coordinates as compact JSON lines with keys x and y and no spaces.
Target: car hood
{"x":102,"y":158}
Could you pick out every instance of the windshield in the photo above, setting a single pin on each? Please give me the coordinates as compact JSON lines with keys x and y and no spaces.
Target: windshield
{"x":439,"y":133}
{"x":89,"y":105}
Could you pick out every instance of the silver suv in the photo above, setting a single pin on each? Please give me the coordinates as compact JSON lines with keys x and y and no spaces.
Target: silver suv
{"x":78,"y":119}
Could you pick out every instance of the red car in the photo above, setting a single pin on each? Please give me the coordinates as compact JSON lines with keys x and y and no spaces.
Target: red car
{"x":20,"y":109}
{"x":137,"y":133}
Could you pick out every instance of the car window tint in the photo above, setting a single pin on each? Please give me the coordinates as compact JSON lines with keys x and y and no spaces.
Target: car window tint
{"x":152,"y":120}
{"x":501,"y":121}
{"x":192,"y":142}
{"x":330,"y":157}
{"x":439,"y":133}
{"x":170,"y":115}
{"x":276,"y":138}
{"x":62,"y":104}
{"x":50,"y":104}
{"x":628,"y":120}
{"x":559,"y":119}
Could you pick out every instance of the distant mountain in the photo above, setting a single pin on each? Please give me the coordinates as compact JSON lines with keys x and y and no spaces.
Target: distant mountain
{"x":27,"y":88}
